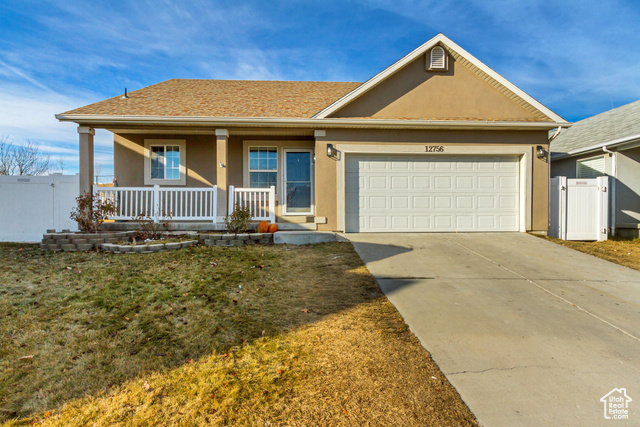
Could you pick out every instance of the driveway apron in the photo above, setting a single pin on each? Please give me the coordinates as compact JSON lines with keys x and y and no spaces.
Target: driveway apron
{"x":528,"y":332}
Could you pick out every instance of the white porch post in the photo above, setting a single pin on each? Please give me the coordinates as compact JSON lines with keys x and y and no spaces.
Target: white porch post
{"x":86,"y":134}
{"x":222,"y":175}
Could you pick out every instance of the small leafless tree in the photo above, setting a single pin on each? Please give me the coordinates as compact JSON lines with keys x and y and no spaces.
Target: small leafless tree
{"x":60,"y":164}
{"x":6,"y":158}
{"x":25,"y":159}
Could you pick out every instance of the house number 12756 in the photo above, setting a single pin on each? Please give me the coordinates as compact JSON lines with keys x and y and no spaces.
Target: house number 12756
{"x":435,"y":148}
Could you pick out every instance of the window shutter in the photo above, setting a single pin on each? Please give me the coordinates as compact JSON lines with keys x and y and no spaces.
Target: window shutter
{"x":437,"y":58}
{"x":591,"y":168}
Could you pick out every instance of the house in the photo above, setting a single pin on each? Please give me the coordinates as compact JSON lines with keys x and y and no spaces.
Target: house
{"x":607,"y":144}
{"x":437,"y":141}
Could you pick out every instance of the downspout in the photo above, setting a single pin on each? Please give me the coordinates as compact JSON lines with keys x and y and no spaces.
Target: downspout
{"x":614,"y":173}
{"x":554,"y":136}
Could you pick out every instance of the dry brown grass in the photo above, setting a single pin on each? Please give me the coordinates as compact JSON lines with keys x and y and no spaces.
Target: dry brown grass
{"x":239,"y":336}
{"x":621,"y":251}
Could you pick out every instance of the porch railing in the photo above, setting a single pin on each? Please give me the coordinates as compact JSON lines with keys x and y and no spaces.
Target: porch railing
{"x":161,"y":203}
{"x":260,"y":201}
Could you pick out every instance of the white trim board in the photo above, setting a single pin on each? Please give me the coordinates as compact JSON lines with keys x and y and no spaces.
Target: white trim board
{"x":443,"y":40}
{"x":525,"y":154}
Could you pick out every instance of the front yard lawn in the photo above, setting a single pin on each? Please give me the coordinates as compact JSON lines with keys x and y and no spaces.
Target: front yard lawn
{"x":260,"y":335}
{"x":621,"y":251}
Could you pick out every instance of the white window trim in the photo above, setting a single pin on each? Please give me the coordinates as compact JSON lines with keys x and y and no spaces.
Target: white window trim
{"x":246,"y":181}
{"x":148,"y":143}
{"x":604,"y":164}
{"x":312,"y":207}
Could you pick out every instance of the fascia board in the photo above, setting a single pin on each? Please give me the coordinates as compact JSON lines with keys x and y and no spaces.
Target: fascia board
{"x":221,"y":122}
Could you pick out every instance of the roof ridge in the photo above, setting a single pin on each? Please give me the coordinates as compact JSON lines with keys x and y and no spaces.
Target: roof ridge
{"x":261,"y":81}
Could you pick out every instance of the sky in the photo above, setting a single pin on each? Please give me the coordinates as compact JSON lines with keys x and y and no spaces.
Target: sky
{"x":579,"y":58}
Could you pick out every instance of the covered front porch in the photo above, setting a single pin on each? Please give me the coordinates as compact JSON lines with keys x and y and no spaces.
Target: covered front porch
{"x":194,"y":178}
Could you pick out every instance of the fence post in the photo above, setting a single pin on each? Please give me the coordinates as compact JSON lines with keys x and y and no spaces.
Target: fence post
{"x":55,"y":187}
{"x":272,"y":204}
{"x":156,"y":203}
{"x":603,"y":207}
{"x":214,"y":204}
{"x":231,"y":205}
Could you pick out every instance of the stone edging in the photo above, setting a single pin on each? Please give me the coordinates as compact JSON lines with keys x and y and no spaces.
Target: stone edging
{"x":71,"y":242}
{"x":146,"y":249}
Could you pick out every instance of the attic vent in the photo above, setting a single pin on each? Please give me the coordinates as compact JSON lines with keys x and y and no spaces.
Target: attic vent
{"x":438,"y":60}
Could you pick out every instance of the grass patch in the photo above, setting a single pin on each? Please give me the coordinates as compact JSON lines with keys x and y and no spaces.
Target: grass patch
{"x":229,"y":336}
{"x":620,"y":251}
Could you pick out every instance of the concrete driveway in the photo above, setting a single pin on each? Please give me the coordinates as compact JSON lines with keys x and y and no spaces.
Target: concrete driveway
{"x":528,"y":332}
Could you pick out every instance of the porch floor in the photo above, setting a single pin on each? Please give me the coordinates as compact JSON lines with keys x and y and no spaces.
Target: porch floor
{"x":203,"y":226}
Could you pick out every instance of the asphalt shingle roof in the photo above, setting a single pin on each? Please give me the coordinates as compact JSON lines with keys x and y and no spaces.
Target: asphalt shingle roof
{"x":224,"y":98}
{"x":611,"y":125}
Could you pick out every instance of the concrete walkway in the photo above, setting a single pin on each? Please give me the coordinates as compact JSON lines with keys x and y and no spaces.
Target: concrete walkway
{"x":528,"y":332}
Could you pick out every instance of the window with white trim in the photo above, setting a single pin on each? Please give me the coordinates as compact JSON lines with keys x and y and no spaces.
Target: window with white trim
{"x":590,"y":168}
{"x":165,"y":162}
{"x":263,"y":167}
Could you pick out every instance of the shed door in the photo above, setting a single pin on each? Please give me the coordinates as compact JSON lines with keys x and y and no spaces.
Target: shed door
{"x":395,"y":193}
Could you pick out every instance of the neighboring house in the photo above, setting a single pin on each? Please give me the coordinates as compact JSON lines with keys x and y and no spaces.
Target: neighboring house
{"x":607,"y":144}
{"x":437,"y":141}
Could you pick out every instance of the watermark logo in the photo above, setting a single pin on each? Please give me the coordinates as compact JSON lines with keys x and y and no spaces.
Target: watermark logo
{"x":616,"y":404}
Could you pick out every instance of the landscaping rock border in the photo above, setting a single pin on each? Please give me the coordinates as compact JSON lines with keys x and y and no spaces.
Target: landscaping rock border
{"x":76,"y":241}
{"x":146,"y":249}
{"x":107,"y":241}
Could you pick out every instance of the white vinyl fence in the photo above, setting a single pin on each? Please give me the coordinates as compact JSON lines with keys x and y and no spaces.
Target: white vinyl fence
{"x":260,"y":201}
{"x":29,"y":205}
{"x":161,"y":203}
{"x":579,"y":208}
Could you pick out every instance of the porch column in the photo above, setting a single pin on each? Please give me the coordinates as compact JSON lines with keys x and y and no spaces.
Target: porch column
{"x":222,"y":175}
{"x":86,"y":134}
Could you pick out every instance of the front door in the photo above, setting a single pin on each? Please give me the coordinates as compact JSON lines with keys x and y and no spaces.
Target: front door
{"x":298,"y":182}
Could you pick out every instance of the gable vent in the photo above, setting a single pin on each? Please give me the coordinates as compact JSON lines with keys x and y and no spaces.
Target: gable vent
{"x":438,"y":59}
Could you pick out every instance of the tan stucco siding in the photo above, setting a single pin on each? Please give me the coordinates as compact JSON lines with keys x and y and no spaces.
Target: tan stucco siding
{"x":458,"y":93}
{"x":128,"y":153}
{"x":327,"y":193}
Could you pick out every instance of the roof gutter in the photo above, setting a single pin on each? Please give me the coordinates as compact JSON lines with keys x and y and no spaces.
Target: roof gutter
{"x":605,"y":146}
{"x":224,"y":122}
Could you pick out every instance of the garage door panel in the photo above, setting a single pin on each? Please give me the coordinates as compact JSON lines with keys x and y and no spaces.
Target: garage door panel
{"x":400,"y":182}
{"x":465,"y":222}
{"x":442,"y":182}
{"x":421,"y":203}
{"x":421,"y":182}
{"x":400,"y":222}
{"x":432,"y":193}
{"x":487,"y":202}
{"x":465,"y":183}
{"x":465,"y":202}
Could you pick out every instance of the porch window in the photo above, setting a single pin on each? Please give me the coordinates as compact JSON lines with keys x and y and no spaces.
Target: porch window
{"x":165,"y":162}
{"x":263,"y":167}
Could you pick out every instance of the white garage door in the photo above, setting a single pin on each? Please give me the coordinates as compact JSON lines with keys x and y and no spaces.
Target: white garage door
{"x":431,"y":193}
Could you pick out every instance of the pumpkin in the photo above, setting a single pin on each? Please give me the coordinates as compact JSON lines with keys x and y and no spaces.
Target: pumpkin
{"x":263,"y":227}
{"x":273,"y":228}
